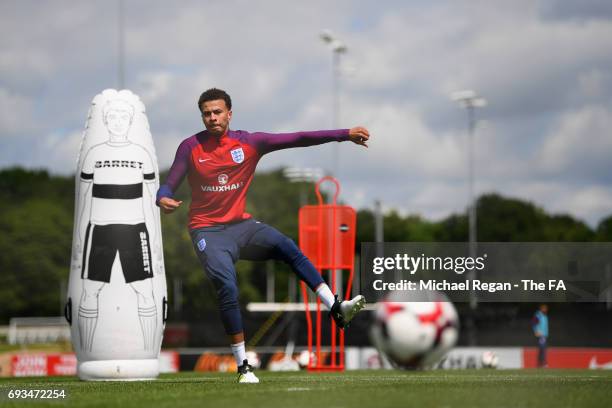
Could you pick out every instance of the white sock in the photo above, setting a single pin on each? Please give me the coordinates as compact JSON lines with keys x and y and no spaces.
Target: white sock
{"x":239,"y":352}
{"x":326,"y":295}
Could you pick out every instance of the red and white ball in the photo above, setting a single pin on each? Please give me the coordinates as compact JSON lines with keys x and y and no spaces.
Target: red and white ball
{"x":489,"y":359}
{"x":415,"y":334}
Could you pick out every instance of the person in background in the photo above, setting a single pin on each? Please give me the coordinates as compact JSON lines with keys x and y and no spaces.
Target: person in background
{"x":539,"y":324}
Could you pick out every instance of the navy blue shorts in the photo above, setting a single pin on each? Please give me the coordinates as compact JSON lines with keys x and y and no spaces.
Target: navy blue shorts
{"x":219,"y":247}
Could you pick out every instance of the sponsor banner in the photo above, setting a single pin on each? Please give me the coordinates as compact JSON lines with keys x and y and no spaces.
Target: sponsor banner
{"x":216,"y":362}
{"x":169,"y":362}
{"x":471,"y":357}
{"x":29,"y":365}
{"x":5,"y":365}
{"x":61,"y":364}
{"x":280,"y":362}
{"x":211,"y":361}
{"x":558,"y":357}
{"x":507,"y":358}
{"x":39,"y":364}
{"x":366,"y":358}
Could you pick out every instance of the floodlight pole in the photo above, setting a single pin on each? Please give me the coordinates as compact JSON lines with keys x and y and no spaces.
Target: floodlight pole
{"x":469,"y":100}
{"x":121,"y":45}
{"x":338,"y":48}
{"x":473,"y":236}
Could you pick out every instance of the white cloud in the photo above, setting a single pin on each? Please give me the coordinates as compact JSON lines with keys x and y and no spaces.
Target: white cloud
{"x":154,"y":85}
{"x":592,"y":84}
{"x":61,"y":149}
{"x":15,"y":113}
{"x":579,"y":146}
{"x":545,"y":74}
{"x":588,"y":203}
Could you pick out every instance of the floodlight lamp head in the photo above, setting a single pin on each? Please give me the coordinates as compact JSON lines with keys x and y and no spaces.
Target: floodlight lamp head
{"x":479,"y":102}
{"x":327,"y":36}
{"x":466,"y":94}
{"x":339,"y":47}
{"x":468,"y":99}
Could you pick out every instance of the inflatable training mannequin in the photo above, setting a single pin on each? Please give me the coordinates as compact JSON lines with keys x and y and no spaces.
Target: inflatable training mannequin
{"x":117,"y":291}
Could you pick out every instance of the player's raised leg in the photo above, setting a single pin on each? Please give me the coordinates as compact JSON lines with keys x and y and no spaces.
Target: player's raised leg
{"x":267,"y":242}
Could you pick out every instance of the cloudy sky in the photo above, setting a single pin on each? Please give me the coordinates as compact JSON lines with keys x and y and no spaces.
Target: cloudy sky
{"x":545,"y":68}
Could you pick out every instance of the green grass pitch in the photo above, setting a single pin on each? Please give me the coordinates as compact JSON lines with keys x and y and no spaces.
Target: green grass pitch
{"x":353,"y":389}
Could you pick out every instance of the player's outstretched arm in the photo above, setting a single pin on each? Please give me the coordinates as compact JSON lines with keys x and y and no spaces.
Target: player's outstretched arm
{"x":269,"y":142}
{"x":359,"y":135}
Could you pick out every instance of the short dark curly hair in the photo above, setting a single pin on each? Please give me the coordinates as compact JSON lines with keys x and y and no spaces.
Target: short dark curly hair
{"x":214,"y":94}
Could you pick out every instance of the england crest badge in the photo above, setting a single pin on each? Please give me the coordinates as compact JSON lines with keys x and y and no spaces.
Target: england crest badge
{"x":237,"y":155}
{"x":202,"y":245}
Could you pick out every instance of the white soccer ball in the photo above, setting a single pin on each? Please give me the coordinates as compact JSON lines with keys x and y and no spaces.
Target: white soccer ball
{"x":304,"y":357}
{"x":489,"y":359}
{"x":415,"y":334}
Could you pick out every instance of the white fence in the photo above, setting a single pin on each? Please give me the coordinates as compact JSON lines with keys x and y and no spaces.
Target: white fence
{"x":29,"y":330}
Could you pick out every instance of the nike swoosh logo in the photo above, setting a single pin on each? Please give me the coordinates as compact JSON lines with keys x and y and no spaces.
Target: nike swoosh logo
{"x":202,"y":160}
{"x":594,"y":364}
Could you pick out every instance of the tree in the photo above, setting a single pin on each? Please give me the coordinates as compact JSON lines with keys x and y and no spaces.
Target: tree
{"x":38,"y":213}
{"x":35,"y":247}
{"x":604,"y":230}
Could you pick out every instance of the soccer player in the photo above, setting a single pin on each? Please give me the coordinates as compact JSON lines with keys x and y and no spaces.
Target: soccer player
{"x":219,"y":164}
{"x":539,"y":324}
